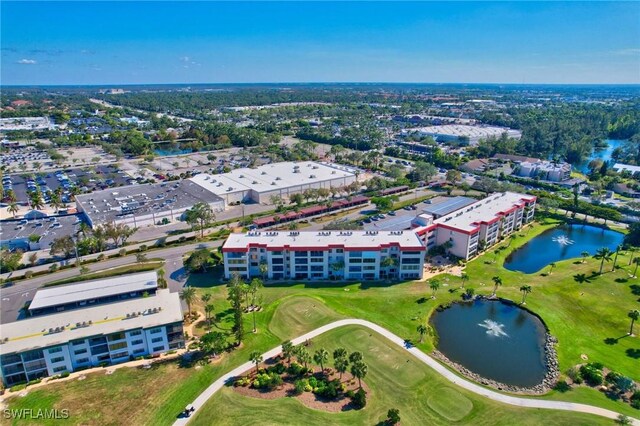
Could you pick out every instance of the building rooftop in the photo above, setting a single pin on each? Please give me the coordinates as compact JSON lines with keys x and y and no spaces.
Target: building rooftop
{"x":270,"y":177}
{"x":61,"y":295}
{"x":484,"y":211}
{"x":48,"y":330}
{"x":107,"y":205}
{"x":296,"y":240}
{"x":472,"y":132}
{"x":447,"y":206}
{"x":618,"y":167}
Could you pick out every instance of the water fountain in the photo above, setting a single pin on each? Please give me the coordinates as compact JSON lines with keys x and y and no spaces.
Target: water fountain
{"x":494,"y":328}
{"x":563,"y":240}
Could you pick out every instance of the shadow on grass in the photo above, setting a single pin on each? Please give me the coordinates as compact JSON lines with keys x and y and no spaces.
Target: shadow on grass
{"x":633,"y":353}
{"x":635,"y":289}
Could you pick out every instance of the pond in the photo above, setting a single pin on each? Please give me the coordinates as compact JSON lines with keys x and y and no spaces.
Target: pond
{"x":603,"y":154}
{"x":497,"y":340}
{"x":560,"y":243}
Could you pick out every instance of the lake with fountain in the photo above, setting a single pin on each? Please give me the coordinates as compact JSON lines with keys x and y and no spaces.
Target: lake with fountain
{"x":495,"y":340}
{"x":560,"y":243}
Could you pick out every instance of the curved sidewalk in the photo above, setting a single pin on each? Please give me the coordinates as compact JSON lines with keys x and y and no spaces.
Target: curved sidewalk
{"x":439,"y":368}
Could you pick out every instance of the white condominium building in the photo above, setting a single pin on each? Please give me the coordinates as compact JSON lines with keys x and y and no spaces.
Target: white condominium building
{"x":82,"y":337}
{"x":322,"y":255}
{"x":481,"y":224}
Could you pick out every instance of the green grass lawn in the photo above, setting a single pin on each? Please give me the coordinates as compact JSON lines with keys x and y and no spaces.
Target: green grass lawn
{"x":396,"y":380}
{"x":582,"y":316}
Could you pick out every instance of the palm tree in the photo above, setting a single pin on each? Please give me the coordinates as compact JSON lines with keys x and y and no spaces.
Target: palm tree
{"x":208,"y":310}
{"x":320,"y":357}
{"x":636,"y":260}
{"x":341,"y":364}
{"x":634,"y":315}
{"x":464,"y":277}
{"x":604,"y":255}
{"x":434,"y":285}
{"x":256,"y":358}
{"x":615,"y":258}
{"x":584,"y":255}
{"x":422,"y":329}
{"x":303,"y":356}
{"x":633,"y":251}
{"x":497,"y":281}
{"x":288,"y":350}
{"x":552,"y":265}
{"x":525,"y":289}
{"x":340,"y":353}
{"x":13,"y":208}
{"x":359,"y":369}
{"x":189,"y":296}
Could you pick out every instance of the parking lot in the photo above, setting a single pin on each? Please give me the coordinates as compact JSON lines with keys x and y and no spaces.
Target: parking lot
{"x":393,"y":221}
{"x":85,"y":179}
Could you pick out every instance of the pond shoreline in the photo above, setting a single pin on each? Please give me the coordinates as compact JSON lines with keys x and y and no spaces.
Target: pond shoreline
{"x":550,"y":357}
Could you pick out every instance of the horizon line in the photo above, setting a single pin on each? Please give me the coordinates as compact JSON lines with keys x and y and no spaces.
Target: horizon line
{"x":314,"y":83}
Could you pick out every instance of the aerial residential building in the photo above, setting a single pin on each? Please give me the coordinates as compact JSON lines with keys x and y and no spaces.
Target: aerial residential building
{"x":466,"y":231}
{"x":619,"y":167}
{"x":90,"y":329}
{"x":322,"y":255}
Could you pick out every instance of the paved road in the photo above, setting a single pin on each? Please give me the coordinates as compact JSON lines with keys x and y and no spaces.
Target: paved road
{"x":439,"y":368}
{"x":15,"y":296}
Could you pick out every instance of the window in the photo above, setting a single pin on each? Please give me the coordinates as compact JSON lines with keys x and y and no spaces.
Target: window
{"x":369,"y":260}
{"x":237,"y":269}
{"x":57,"y":359}
{"x":137,"y":342}
{"x":82,"y":360}
{"x":115,"y":336}
{"x":78,"y":342}
{"x":156,"y":330}
{"x":59,"y":369}
{"x":369,"y":268}
{"x":355,"y":268}
{"x":55,"y":350}
{"x":139,"y":351}
{"x":79,"y":351}
{"x":339,"y":250}
{"x":300,"y":254}
{"x":410,"y":252}
{"x":120,"y":355}
{"x":355,"y":254}
{"x":302,"y":261}
{"x":317,"y":268}
{"x":301,"y":269}
{"x":277,"y":261}
{"x":316,"y":253}
{"x":317,"y":259}
{"x":117,"y":346}
{"x":276,"y":253}
{"x":156,"y":340}
{"x":158,"y":348}
{"x":135,"y":333}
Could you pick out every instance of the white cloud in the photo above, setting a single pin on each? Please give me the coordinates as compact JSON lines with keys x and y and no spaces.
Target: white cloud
{"x":27,"y":61}
{"x":185,"y":59}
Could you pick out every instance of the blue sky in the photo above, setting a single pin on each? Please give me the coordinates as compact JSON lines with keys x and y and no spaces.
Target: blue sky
{"x":201,"y":42}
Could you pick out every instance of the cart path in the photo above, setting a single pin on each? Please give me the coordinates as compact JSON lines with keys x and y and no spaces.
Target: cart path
{"x":435,"y":365}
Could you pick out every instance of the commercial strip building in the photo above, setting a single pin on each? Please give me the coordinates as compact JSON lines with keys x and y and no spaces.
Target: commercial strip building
{"x":323,"y":255}
{"x":140,"y":205}
{"x":462,"y":225}
{"x":458,"y":132}
{"x":468,"y":230}
{"x":90,"y":328}
{"x":282,"y":179}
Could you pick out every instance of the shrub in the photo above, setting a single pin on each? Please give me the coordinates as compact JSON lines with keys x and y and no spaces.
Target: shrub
{"x":28,"y":274}
{"x":53,"y":267}
{"x":100,"y":257}
{"x":574,"y":374}
{"x":359,"y":399}
{"x":122,"y":252}
{"x":313,"y":382}
{"x":278,"y":368}
{"x":17,"y":388}
{"x":562,"y":386}
{"x":65,"y":374}
{"x":299,"y":386}
{"x":295,"y":369}
{"x":591,"y":374}
{"x":612,"y":377}
{"x":329,"y":391}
